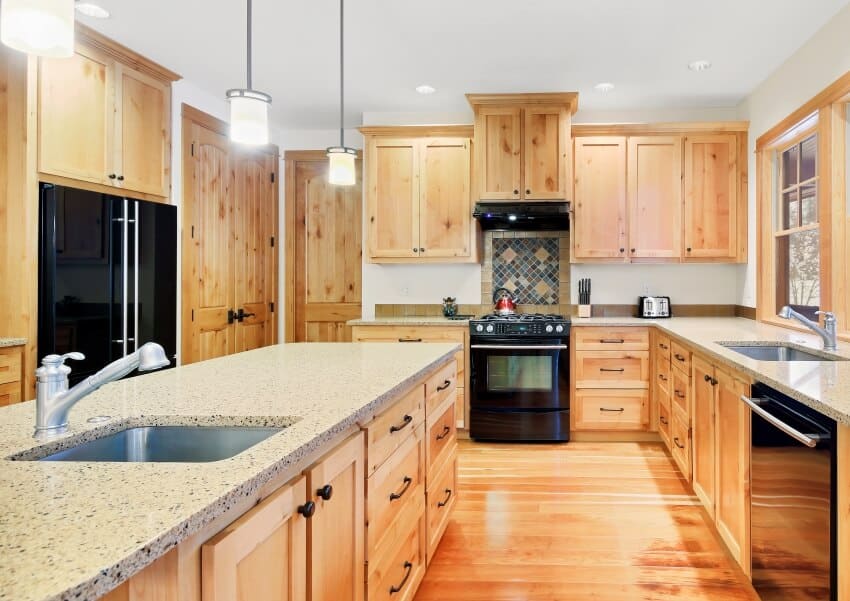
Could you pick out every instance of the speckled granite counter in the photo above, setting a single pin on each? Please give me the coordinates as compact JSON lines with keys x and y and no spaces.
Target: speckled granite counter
{"x":824,"y":386}
{"x":410,"y":321}
{"x":76,"y":530}
{"x":12,"y":342}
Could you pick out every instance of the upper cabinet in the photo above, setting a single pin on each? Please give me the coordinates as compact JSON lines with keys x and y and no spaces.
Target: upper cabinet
{"x":104,"y":118}
{"x":522,"y":145}
{"x":419,"y":207}
{"x":677,"y":193}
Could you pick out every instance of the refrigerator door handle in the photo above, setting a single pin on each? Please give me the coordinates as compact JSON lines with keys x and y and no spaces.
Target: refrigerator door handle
{"x":124,"y":278}
{"x":136,"y":279}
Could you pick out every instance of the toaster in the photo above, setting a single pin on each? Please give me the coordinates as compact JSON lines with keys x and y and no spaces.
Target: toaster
{"x":654,"y":306}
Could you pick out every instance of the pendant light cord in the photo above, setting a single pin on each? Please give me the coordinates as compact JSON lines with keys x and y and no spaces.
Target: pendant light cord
{"x":249,"y":44}
{"x":341,"y":76}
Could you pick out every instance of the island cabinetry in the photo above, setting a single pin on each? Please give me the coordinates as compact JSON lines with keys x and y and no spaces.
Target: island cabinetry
{"x":680,"y":397}
{"x":11,"y":375}
{"x":662,"y":388}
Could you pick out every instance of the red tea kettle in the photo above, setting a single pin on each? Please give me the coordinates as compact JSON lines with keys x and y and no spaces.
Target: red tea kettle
{"x":504,"y":301}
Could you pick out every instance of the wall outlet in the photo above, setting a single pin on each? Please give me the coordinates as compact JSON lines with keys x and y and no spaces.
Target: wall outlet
{"x":405,"y":291}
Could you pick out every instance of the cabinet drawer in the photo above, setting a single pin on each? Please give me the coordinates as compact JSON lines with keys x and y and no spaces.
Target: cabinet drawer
{"x":662,"y":347}
{"x":680,"y":357}
{"x":398,"y":567}
{"x":664,"y":418}
{"x":612,"y":339}
{"x":680,"y":391}
{"x":612,"y":409}
{"x":439,"y":387}
{"x":388,"y":430}
{"x":680,"y":448}
{"x":441,"y":499}
{"x":10,"y":393}
{"x":662,"y":375}
{"x":441,"y":437}
{"x":612,"y":369}
{"x":10,"y":365}
{"x":407,"y":334}
{"x":394,"y":485}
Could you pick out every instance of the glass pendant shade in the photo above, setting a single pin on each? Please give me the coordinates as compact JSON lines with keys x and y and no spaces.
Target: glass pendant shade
{"x":38,"y":27}
{"x":249,"y":116}
{"x":341,"y":171}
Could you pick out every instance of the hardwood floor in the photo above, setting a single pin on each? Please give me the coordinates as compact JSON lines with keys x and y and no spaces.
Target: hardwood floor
{"x":583,"y":521}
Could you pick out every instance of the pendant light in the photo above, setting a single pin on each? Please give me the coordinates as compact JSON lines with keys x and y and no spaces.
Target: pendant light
{"x":38,"y":27}
{"x":341,"y":170}
{"x":249,"y":109}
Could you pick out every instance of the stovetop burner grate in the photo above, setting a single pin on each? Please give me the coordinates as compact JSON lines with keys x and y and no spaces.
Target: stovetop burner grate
{"x":522,"y":317}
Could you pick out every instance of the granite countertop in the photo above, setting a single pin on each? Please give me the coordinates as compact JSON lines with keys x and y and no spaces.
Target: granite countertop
{"x":12,"y":342}
{"x":76,"y":530}
{"x":410,"y":321}
{"x":824,"y":386}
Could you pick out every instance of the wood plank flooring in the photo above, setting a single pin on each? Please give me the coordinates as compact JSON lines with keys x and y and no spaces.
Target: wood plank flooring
{"x":576,"y":522}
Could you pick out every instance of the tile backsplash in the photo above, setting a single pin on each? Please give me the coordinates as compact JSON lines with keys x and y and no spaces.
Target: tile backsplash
{"x":535,"y":266}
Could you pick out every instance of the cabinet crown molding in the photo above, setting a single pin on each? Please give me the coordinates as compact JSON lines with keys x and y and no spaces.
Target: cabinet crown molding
{"x":91,"y":38}
{"x":568,"y":99}
{"x":648,"y":129}
{"x":411,"y":131}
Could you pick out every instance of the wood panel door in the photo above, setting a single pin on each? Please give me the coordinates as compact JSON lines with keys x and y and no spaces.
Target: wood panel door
{"x":711,"y":197}
{"x":263,"y":555}
{"x":393,"y":197}
{"x":600,"y":198}
{"x":655,"y":197}
{"x":336,"y":533}
{"x":544,"y":148}
{"x":498,"y":150}
{"x":444,"y":208}
{"x":142,"y":121}
{"x":704,"y":449}
{"x":75,"y":120}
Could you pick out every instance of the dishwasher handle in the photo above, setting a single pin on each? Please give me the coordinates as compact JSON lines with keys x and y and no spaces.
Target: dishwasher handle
{"x":810,"y":440}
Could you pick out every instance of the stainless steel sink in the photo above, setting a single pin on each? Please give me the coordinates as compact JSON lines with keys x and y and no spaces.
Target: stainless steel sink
{"x":187,"y":444}
{"x":777,"y":352}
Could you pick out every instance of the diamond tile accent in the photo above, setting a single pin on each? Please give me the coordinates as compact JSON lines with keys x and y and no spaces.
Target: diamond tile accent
{"x":529,"y":267}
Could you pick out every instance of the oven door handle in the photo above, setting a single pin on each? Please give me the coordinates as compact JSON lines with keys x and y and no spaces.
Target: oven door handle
{"x":810,"y":440}
{"x":519,"y":347}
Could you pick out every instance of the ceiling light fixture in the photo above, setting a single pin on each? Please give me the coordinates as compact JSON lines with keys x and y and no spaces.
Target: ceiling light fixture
{"x":604,"y":87}
{"x":699,"y":65}
{"x":38,"y":27}
{"x":341,"y":171}
{"x":249,"y":109}
{"x":426,"y":89}
{"x":91,"y":10}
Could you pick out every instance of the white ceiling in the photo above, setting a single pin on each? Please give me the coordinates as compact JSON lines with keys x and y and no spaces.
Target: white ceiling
{"x":459,"y":46}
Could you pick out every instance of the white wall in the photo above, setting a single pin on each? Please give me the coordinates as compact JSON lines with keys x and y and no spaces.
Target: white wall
{"x":821,"y":60}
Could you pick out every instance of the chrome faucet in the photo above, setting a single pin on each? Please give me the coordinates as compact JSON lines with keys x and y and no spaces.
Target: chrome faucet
{"x":53,"y":399}
{"x":828,"y":332}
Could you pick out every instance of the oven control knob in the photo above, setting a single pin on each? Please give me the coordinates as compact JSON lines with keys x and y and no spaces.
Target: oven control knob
{"x":490,"y":328}
{"x":479,"y":328}
{"x":559,"y":328}
{"x":549,"y":329}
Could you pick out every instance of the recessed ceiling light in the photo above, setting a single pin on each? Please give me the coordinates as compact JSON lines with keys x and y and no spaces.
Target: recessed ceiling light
{"x":425,"y":89}
{"x":91,"y":10}
{"x":699,"y":65}
{"x":604,"y":87}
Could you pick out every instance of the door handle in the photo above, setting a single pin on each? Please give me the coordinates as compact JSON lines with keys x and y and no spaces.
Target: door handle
{"x":243,"y":315}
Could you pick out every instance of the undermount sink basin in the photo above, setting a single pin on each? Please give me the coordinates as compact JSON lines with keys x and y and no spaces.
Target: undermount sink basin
{"x":777,"y":352}
{"x":178,"y":444}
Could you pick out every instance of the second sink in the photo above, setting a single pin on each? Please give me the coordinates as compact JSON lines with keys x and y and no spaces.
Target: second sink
{"x":777,"y":352}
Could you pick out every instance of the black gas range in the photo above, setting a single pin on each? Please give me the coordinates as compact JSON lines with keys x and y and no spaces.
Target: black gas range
{"x":519,"y":378}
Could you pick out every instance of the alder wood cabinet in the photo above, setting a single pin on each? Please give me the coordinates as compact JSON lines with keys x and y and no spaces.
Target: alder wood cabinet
{"x":11,"y":375}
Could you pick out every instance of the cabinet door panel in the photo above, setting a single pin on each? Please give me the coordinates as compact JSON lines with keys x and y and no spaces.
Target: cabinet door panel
{"x":393,"y":198}
{"x":655,"y":197}
{"x":444,"y":206}
{"x":600,"y":198}
{"x":498,"y":150}
{"x":704,"y":433}
{"x":710,"y":181}
{"x":545,"y":153}
{"x":75,"y":124}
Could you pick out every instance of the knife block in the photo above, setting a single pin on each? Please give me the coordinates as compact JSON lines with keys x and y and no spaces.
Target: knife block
{"x":584,"y":310}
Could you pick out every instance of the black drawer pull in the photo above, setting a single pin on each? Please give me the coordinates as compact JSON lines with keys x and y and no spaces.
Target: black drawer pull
{"x":445,"y":385}
{"x":397,"y":495}
{"x":409,"y":567}
{"x":448,"y":496}
{"x":714,"y":381}
{"x":407,"y":420}
{"x":307,"y":509}
{"x":679,"y":357}
{"x":679,"y":394}
{"x":707,"y":378}
{"x":678,"y":444}
{"x":662,"y":377}
{"x":444,"y":433}
{"x":663,"y":346}
{"x":611,"y":341}
{"x":326,"y":492}
{"x":663,"y":420}
{"x":616,"y":369}
{"x":620,"y":410}
{"x":410,"y":340}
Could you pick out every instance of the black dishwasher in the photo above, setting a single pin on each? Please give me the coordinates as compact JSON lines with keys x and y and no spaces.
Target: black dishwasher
{"x":793,"y":499}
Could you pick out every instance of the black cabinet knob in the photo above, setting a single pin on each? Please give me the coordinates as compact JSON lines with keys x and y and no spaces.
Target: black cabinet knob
{"x":112,"y":176}
{"x":120,"y":178}
{"x":688,"y":249}
{"x":633,"y":250}
{"x":622,"y":250}
{"x":307,"y":509}
{"x":422,"y":250}
{"x":527,"y":191}
{"x":516,"y":191}
{"x":326,"y":492}
{"x":707,"y":378}
{"x":416,"y":250}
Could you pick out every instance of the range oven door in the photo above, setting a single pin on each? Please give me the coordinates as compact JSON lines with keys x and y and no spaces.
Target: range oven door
{"x":519,"y":375}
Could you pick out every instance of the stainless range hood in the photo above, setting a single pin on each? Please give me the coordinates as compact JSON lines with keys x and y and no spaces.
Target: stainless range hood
{"x":526,"y":216}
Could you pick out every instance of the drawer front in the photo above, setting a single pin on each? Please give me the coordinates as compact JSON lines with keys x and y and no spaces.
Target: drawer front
{"x":662,"y":375}
{"x":398,"y":567}
{"x":10,"y":393}
{"x":393,"y":485}
{"x":662,"y":347}
{"x":441,"y":496}
{"x":612,"y":339}
{"x":390,"y":429}
{"x":612,"y":409}
{"x":680,"y":357}
{"x":10,"y":365}
{"x":612,"y":369}
{"x":664,"y":418}
{"x":680,"y":448}
{"x":460,"y":408}
{"x":407,"y":334}
{"x":441,"y":437}
{"x":680,"y":392}
{"x":439,"y":387}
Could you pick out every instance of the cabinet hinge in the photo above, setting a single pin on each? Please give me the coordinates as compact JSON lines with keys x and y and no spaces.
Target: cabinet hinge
{"x":272,"y":176}
{"x":272,"y":241}
{"x":193,"y":231}
{"x":193,"y":149}
{"x":271,"y":307}
{"x":193,"y":315}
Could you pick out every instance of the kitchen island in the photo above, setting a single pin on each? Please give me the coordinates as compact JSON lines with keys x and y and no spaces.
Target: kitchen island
{"x":78,"y":530}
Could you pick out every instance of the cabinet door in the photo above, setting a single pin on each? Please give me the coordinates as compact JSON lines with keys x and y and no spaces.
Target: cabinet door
{"x":444,"y":201}
{"x":75,"y":123}
{"x":599,"y":230}
{"x":655,"y":197}
{"x":704,"y":432}
{"x":544,"y":149}
{"x":733,"y":467}
{"x":262,"y":556}
{"x":336,"y":563}
{"x":710,"y":178}
{"x":142,"y":114}
{"x":497,"y":146}
{"x":393,"y":197}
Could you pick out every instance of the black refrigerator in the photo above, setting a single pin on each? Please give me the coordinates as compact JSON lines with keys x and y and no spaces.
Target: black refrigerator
{"x":107,"y":276}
